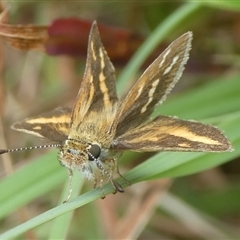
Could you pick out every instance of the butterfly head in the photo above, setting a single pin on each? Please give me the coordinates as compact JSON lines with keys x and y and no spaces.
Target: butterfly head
{"x":88,"y":158}
{"x":80,"y":155}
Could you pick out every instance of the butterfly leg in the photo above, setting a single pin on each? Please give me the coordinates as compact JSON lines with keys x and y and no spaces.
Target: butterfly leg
{"x":94,"y":181}
{"x":105,"y":172}
{"x":115,"y":166}
{"x":121,"y":176}
{"x":70,"y":185}
{"x":117,"y":186}
{"x":101,"y":185}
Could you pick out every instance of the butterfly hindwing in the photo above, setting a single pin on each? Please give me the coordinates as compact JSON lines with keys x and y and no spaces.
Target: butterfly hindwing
{"x":53,"y":125}
{"x":173,"y":134}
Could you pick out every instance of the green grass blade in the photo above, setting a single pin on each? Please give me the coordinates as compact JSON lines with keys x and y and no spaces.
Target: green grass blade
{"x":56,"y":212}
{"x":219,"y":96}
{"x":30,"y":182}
{"x":61,"y":224}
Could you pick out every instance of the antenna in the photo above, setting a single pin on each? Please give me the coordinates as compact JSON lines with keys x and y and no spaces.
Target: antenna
{"x":2,"y":151}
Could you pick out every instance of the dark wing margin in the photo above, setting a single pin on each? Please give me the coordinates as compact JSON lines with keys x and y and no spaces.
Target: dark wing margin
{"x":172,"y":134}
{"x":53,"y":125}
{"x":154,"y":85}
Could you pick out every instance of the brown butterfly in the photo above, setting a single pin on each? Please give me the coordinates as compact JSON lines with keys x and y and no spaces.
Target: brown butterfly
{"x":93,"y":135}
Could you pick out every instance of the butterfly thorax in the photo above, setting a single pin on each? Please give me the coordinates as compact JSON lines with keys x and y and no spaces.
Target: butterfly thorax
{"x":95,"y":127}
{"x":87,"y":147}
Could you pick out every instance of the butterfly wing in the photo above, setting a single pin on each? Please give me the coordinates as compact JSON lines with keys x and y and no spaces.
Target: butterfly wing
{"x":172,"y":134}
{"x":53,"y":125}
{"x":154,"y":85}
{"x":98,"y":88}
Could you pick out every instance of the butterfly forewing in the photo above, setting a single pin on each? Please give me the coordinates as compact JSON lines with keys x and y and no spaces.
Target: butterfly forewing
{"x":172,"y":134}
{"x":53,"y":125}
{"x":153,"y":86}
{"x":98,"y":88}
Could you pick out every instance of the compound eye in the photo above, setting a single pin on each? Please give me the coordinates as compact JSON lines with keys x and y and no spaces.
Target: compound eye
{"x":94,"y":151}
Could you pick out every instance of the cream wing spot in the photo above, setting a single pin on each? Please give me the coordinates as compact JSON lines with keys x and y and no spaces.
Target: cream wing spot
{"x":37,"y":128}
{"x":150,"y":95}
{"x":155,"y":83}
{"x":164,"y":57}
{"x":184,"y":132}
{"x":139,"y":91}
{"x":45,"y":120}
{"x":167,"y":70}
{"x":102,"y":78}
{"x":184,"y":145}
{"x":28,"y":132}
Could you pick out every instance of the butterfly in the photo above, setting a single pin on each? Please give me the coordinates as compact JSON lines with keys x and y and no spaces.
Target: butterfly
{"x":93,"y":134}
